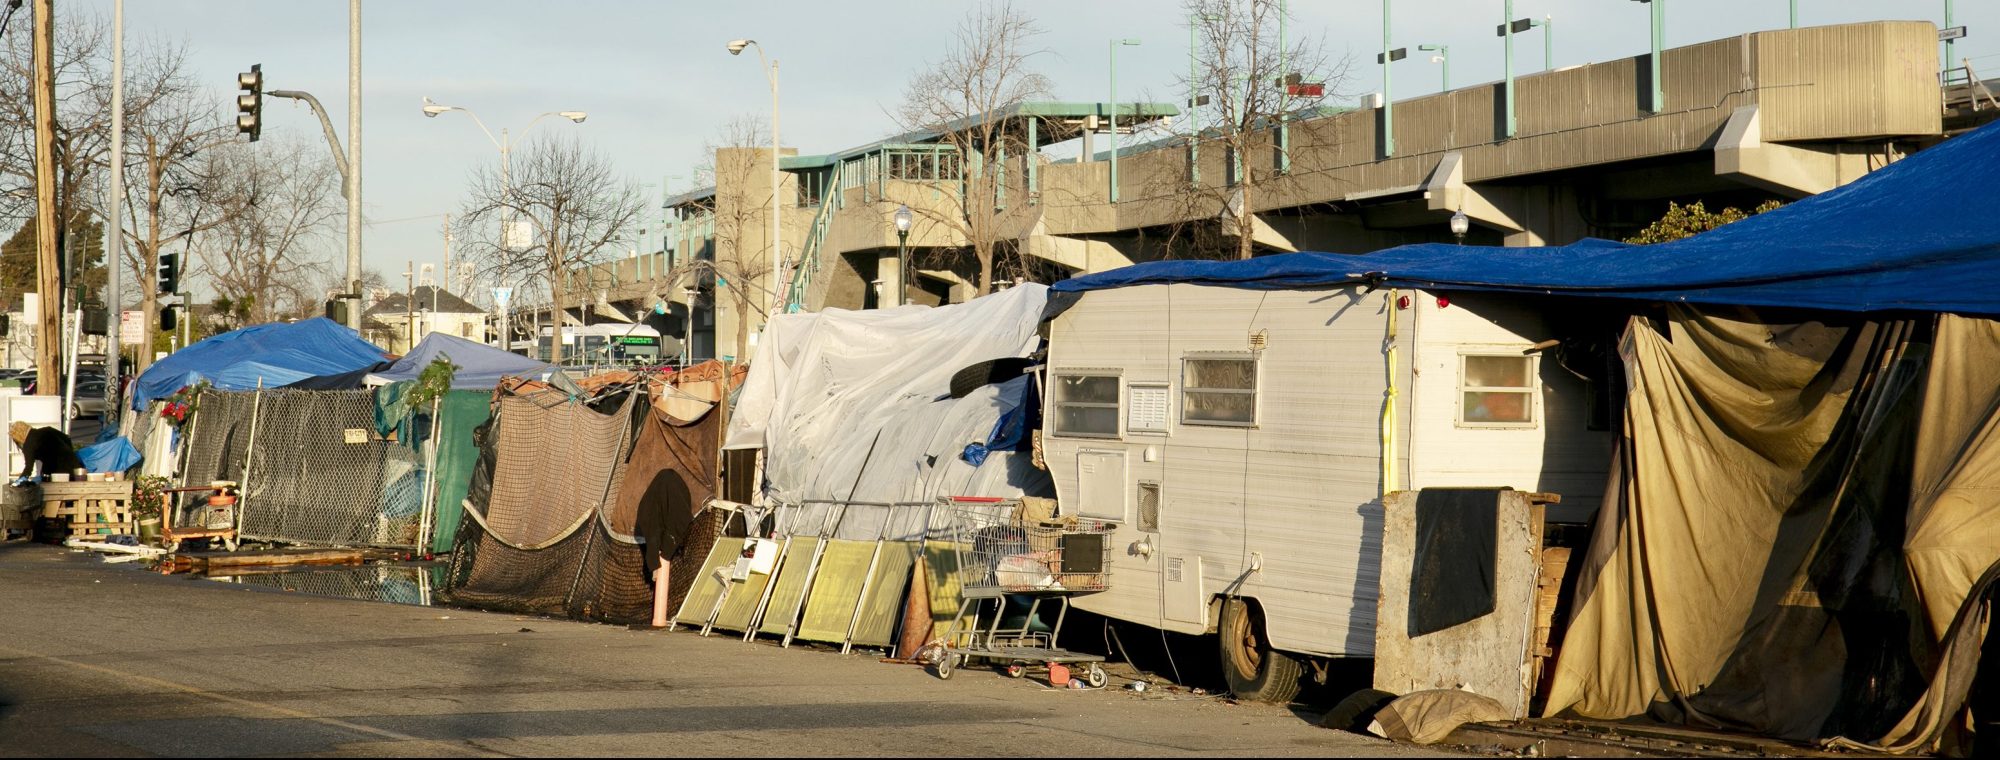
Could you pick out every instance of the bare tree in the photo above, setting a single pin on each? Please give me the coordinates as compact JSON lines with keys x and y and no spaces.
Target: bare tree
{"x":261,"y":257}
{"x":83,"y":117}
{"x":960,"y":98}
{"x":735,"y":154}
{"x":574,"y":200}
{"x":1252,"y":82}
{"x":172,"y":192}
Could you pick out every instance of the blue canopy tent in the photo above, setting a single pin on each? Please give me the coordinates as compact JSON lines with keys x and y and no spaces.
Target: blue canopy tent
{"x":480,"y":366}
{"x":273,"y":354}
{"x":1916,"y":235}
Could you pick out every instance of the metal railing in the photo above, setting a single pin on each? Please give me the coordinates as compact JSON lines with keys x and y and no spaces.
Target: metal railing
{"x":809,"y":253}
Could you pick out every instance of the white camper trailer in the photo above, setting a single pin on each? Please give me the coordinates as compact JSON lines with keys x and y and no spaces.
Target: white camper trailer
{"x":1241,"y":440}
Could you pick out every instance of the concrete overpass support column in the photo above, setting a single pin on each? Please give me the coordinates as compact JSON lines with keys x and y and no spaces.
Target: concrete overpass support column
{"x":1793,"y":171}
{"x":891,"y":277}
{"x":1524,"y":216}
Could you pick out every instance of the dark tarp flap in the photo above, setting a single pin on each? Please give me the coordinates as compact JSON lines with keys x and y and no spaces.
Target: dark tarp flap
{"x":1916,"y":235}
{"x":1451,"y":578}
{"x":1804,"y":510}
{"x":671,"y":477}
{"x":275,"y":354}
{"x":351,"y":380}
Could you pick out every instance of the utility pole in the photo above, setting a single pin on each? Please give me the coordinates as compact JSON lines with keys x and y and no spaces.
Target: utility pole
{"x":353,"y":162}
{"x":114,"y":258}
{"x":410,"y":304}
{"x":48,"y":274}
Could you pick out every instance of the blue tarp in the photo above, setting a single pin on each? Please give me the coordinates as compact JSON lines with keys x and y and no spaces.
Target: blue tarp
{"x":278,"y":354}
{"x":1917,"y":235}
{"x":115,"y":455}
{"x":480,"y":366}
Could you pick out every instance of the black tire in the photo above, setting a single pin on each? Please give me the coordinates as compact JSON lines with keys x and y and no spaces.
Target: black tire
{"x":1356,"y":711}
{"x":1254,"y":670}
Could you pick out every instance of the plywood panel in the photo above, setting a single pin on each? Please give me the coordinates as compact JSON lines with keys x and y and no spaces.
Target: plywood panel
{"x":1489,"y":655}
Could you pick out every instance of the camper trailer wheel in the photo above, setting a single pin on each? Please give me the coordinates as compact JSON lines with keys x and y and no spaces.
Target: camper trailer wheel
{"x":1253,"y":669}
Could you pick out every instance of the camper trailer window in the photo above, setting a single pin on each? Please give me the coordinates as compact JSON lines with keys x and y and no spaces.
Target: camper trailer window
{"x":1087,"y":405}
{"x":1497,"y":391}
{"x":1219,"y":391}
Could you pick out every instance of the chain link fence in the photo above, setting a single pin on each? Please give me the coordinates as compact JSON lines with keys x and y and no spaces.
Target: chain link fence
{"x":311,"y":467}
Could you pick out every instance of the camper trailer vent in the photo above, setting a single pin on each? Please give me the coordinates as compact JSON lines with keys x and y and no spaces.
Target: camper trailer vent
{"x":1260,"y":339}
{"x":1149,"y":506}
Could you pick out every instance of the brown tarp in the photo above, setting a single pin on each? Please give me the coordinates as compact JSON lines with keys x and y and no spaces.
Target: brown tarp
{"x":555,"y":499}
{"x":1801,"y":511}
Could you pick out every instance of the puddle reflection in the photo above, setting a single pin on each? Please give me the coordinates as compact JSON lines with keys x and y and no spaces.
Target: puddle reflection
{"x":400,"y":584}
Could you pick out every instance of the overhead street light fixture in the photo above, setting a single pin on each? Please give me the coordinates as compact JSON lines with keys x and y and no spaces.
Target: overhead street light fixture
{"x":1443,"y":58}
{"x":736,"y":46}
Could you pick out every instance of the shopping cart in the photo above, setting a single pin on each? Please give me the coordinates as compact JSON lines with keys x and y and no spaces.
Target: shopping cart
{"x":1011,"y":564}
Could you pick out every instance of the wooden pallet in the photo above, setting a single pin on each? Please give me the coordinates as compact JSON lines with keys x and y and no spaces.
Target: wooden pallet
{"x":92,"y":508}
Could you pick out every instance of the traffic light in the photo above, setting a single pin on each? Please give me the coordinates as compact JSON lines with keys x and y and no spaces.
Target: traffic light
{"x":250,"y":104}
{"x":336,"y":309}
{"x":96,"y":321}
{"x":170,"y":318}
{"x":170,"y":273}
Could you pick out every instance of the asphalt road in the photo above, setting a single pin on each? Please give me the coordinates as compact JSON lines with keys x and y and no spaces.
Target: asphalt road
{"x":103,"y":660}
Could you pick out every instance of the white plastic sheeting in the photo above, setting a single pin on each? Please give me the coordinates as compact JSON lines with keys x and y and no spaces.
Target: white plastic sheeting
{"x":853,"y":406}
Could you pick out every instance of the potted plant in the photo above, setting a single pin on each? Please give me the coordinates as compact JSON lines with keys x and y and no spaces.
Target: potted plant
{"x":149,"y":503}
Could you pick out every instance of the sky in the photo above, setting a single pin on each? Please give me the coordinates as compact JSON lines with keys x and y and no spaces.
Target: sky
{"x":657,"y":82}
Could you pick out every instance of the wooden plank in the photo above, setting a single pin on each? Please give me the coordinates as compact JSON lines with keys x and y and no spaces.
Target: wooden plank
{"x":87,"y":490}
{"x":214,"y":561}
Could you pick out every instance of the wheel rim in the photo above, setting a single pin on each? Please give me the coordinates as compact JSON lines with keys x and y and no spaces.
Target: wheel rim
{"x":1247,"y":655}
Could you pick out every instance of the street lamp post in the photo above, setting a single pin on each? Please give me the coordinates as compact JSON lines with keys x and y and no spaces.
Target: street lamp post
{"x":1388,"y":101}
{"x":1114,"y":45}
{"x":903,"y":219}
{"x":1548,"y":25}
{"x":1659,"y":24}
{"x":1507,"y":33}
{"x":784,"y":268}
{"x":1443,"y":58}
{"x":505,"y":143}
{"x":1460,"y":225}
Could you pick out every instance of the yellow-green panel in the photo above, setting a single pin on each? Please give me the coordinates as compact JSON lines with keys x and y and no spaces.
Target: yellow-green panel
{"x":830,"y":604}
{"x":791,"y":589}
{"x":941,"y":557}
{"x":883,"y":609}
{"x":701,"y":598}
{"x":742,"y":602}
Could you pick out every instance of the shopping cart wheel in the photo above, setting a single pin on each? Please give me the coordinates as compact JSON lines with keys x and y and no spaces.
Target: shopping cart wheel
{"x":1017,"y":670}
{"x":946,"y":664}
{"x":1094,"y":677}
